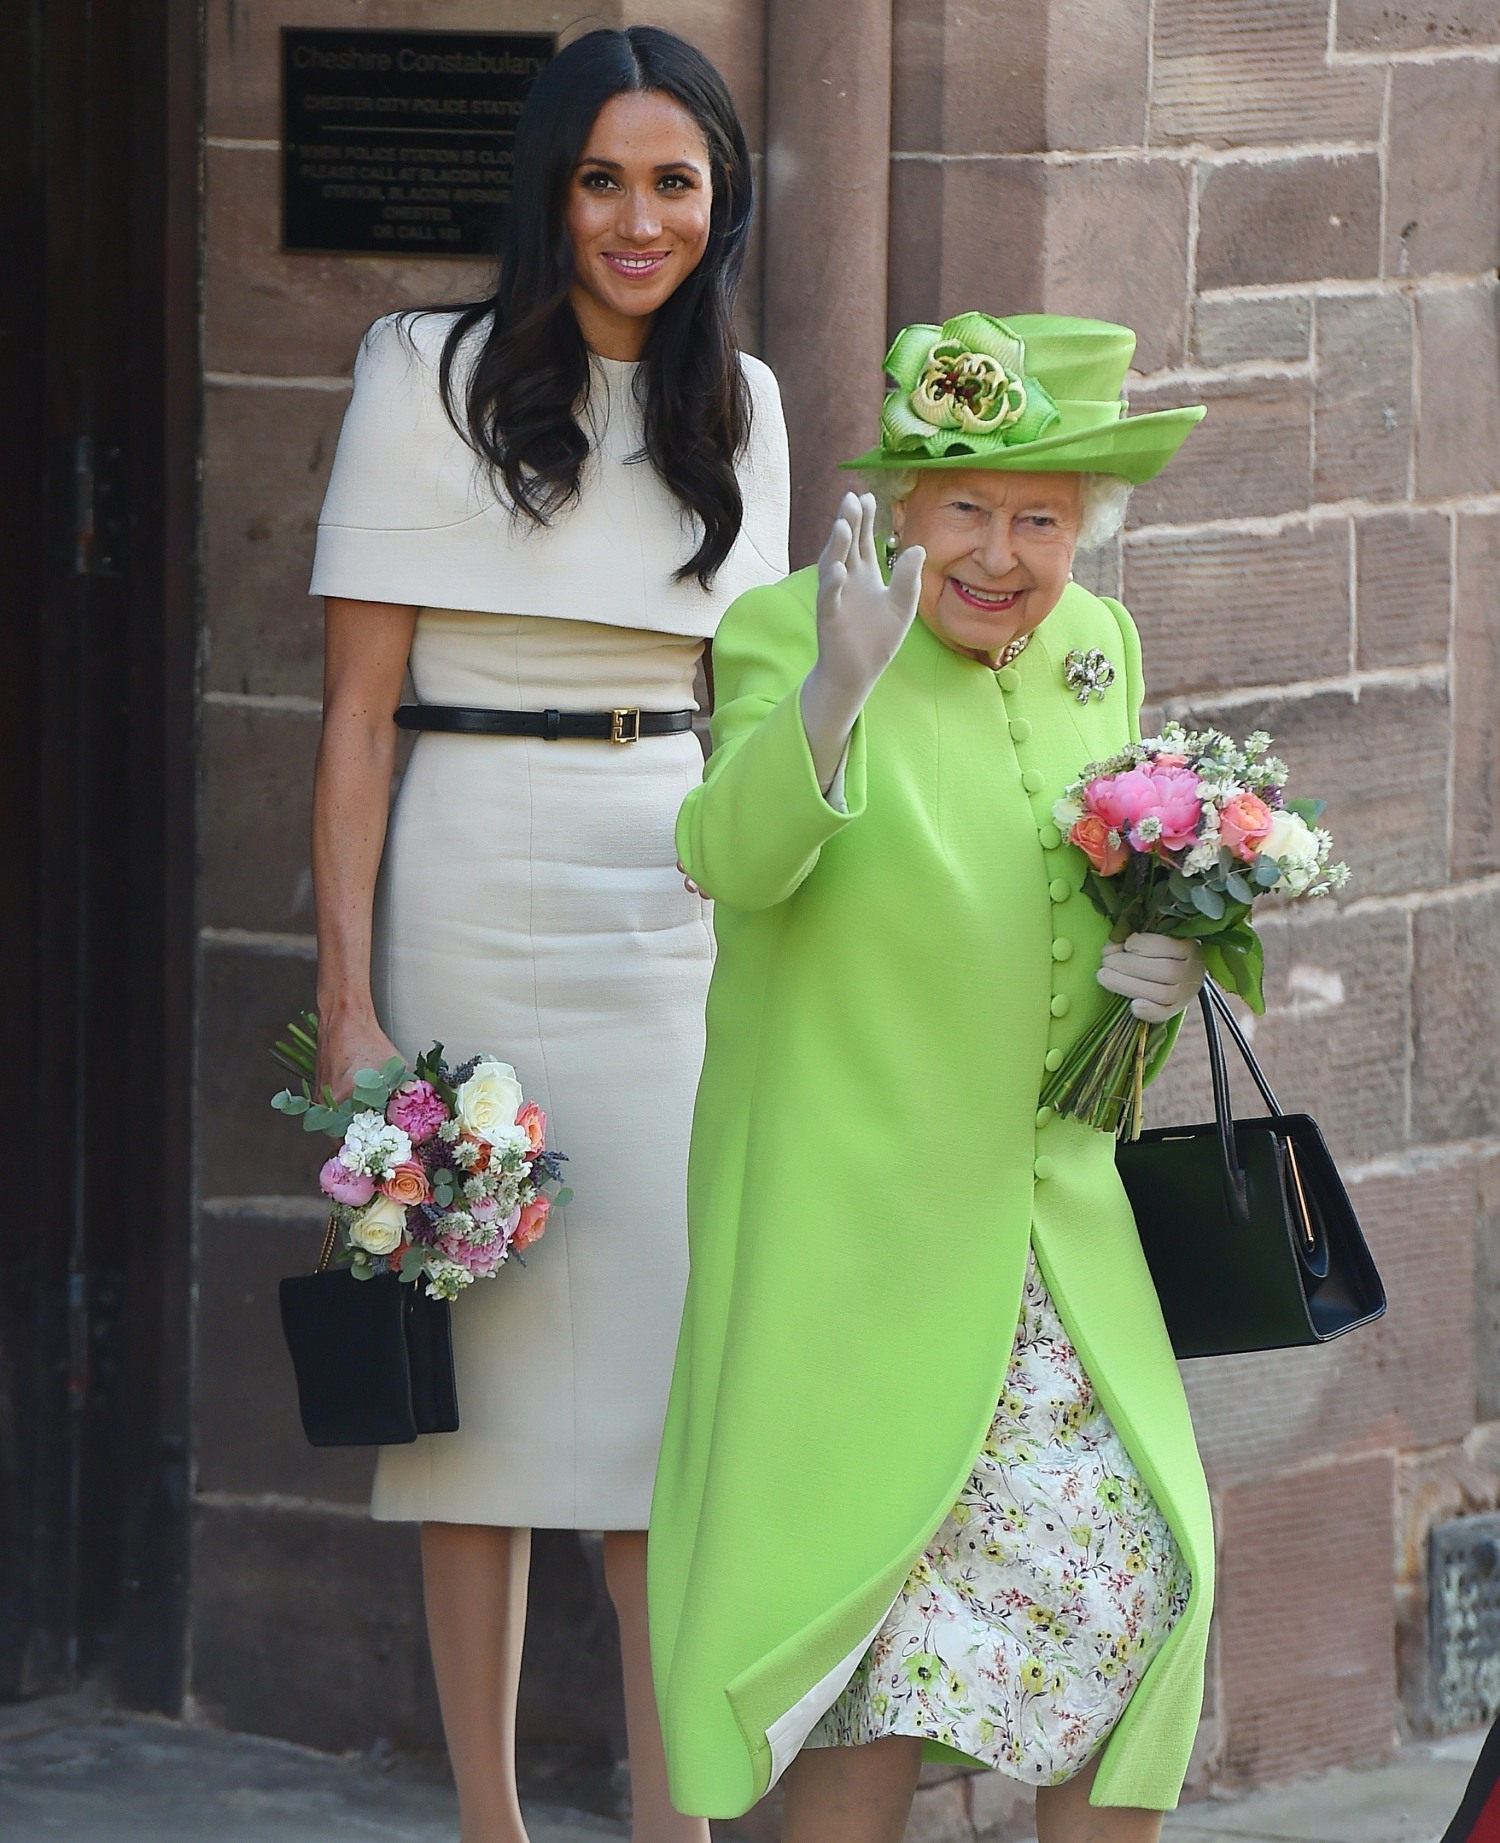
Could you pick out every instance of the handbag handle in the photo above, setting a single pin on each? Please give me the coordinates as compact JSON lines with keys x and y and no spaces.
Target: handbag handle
{"x":1212,"y":1001}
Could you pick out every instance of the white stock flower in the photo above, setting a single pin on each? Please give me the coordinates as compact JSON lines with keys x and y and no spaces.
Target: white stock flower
{"x":379,"y":1228}
{"x":489,"y":1100}
{"x":1201,"y":859}
{"x":1066,"y":813}
{"x":373,"y":1146}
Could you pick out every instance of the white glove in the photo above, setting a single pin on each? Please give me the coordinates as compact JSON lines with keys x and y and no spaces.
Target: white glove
{"x":861,"y":624}
{"x":1158,"y":973}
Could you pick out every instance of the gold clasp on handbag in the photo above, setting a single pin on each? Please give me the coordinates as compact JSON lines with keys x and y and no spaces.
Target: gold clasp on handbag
{"x":617,"y":722}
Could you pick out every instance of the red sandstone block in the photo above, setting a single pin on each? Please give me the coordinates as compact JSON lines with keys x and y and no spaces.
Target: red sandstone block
{"x":1417,"y":25}
{"x":1476,"y":698}
{"x":1458,"y":433}
{"x":1362,"y":422}
{"x":1237,"y":75}
{"x":1305,"y":1614}
{"x":1250,"y":457}
{"x":1307,"y":218}
{"x":1443,"y":183}
{"x":1200,"y":599}
{"x":266,"y":456}
{"x":1455,"y":1077}
{"x":1403,"y":587}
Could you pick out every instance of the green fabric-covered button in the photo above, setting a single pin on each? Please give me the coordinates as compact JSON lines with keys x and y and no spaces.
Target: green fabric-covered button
{"x":1020,"y":730}
{"x":1044,"y":1167}
{"x":1044,"y":1116}
{"x":1061,"y":949}
{"x":1052,"y":1061}
{"x":1050,"y":836}
{"x":1061,"y":1004}
{"x":1008,"y":678}
{"x":1059,"y":889}
{"x":1033,"y":780}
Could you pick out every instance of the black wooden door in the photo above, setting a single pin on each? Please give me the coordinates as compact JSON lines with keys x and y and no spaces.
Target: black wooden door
{"x":98,"y":439}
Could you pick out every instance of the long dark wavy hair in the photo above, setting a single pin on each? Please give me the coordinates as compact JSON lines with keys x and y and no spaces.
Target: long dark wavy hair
{"x":530,"y":377}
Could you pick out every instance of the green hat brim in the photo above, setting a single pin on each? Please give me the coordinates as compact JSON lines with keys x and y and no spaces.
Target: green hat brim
{"x":1136,"y":448}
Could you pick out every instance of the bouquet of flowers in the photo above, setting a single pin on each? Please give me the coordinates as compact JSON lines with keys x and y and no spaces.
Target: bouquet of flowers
{"x":441,"y":1174}
{"x":1183,"y":833}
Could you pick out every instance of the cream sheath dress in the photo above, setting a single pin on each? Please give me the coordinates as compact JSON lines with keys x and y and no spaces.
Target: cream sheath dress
{"x":529,"y":903}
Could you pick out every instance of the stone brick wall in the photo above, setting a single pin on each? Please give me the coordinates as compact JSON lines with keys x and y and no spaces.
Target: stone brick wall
{"x":1297,"y":206}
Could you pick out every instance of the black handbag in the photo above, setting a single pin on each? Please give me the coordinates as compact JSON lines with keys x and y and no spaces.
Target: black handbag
{"x":1247,"y":1228}
{"x":374,"y":1358}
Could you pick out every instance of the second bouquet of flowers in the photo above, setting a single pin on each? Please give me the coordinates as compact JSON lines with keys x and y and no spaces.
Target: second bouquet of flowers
{"x":1184,"y":833}
{"x":441,"y":1173}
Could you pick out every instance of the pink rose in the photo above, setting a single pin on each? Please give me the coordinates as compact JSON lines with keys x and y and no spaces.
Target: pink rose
{"x":416,"y":1109}
{"x":1093,"y":838}
{"x":533,"y":1222}
{"x":407,"y":1184}
{"x":345,"y":1186}
{"x":1170,"y":796}
{"x":1243,"y":823}
{"x":533,"y":1122}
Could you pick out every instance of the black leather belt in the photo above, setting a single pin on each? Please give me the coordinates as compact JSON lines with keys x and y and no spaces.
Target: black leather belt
{"x":627,"y":725}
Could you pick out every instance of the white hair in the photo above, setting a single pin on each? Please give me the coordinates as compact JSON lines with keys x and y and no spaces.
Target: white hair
{"x":1105,"y":499}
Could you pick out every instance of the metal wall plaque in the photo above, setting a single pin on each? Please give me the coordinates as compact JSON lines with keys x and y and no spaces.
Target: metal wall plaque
{"x":400,"y":143}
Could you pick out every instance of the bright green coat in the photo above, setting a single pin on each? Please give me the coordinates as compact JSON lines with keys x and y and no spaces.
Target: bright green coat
{"x":868,"y":1163}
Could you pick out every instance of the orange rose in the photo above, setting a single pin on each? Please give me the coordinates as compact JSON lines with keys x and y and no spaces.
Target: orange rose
{"x":532,"y":1224}
{"x":1243,"y":823}
{"x":407,"y":1185}
{"x":533,"y":1122}
{"x":1103,"y":849}
{"x":482,"y":1160}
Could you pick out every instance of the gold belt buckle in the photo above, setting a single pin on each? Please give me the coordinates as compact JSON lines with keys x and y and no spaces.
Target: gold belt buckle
{"x":617,"y":730}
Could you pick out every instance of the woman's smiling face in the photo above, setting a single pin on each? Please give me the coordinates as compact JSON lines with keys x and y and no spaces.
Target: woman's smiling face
{"x":638,"y":216}
{"x":999,"y":551}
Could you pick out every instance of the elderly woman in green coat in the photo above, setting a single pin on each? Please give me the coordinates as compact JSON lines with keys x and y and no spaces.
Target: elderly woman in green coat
{"x":929,"y":1483}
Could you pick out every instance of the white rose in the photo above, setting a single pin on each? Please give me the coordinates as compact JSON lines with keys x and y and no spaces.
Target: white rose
{"x":489,"y":1100}
{"x":380,"y":1227}
{"x":1294,"y":845}
{"x":1066,"y":813}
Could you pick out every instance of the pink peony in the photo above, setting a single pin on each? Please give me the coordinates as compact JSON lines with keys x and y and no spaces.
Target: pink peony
{"x":1243,"y":824}
{"x":345,"y":1186}
{"x":533,"y":1122}
{"x":416,"y":1109}
{"x":533,"y":1222}
{"x":1099,"y":845}
{"x":481,"y":1262}
{"x":1170,"y":796}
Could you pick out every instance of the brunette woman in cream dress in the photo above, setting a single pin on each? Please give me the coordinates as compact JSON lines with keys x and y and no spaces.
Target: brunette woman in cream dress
{"x":527,"y":901}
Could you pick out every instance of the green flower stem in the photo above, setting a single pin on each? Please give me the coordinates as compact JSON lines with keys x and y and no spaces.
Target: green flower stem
{"x":1102,"y":1078}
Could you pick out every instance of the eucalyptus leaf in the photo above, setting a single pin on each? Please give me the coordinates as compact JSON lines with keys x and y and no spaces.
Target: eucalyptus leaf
{"x":1236,"y":886}
{"x":563,"y":1198}
{"x":362,"y":1271}
{"x":287,"y":1102}
{"x":1267,"y":871}
{"x":1208,"y":902}
{"x":1310,"y":810}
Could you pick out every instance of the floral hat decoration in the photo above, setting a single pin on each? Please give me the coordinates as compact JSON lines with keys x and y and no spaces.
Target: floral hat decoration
{"x":1037,"y":392}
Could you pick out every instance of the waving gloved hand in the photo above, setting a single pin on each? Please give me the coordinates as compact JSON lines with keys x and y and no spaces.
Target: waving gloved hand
{"x":1158,"y":973}
{"x":861,"y":624}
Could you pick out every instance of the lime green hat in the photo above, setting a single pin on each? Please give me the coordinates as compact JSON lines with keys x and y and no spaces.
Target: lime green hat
{"x":1035,"y":393}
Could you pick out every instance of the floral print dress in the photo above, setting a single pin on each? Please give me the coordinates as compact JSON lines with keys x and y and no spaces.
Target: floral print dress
{"x":1035,"y":1610}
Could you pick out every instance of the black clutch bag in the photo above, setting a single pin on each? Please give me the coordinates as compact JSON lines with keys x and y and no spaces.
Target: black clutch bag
{"x":1247,"y":1228}
{"x":374,"y":1358}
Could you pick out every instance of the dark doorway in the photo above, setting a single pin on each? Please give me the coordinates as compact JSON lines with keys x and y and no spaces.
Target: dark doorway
{"x":98,"y":442}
